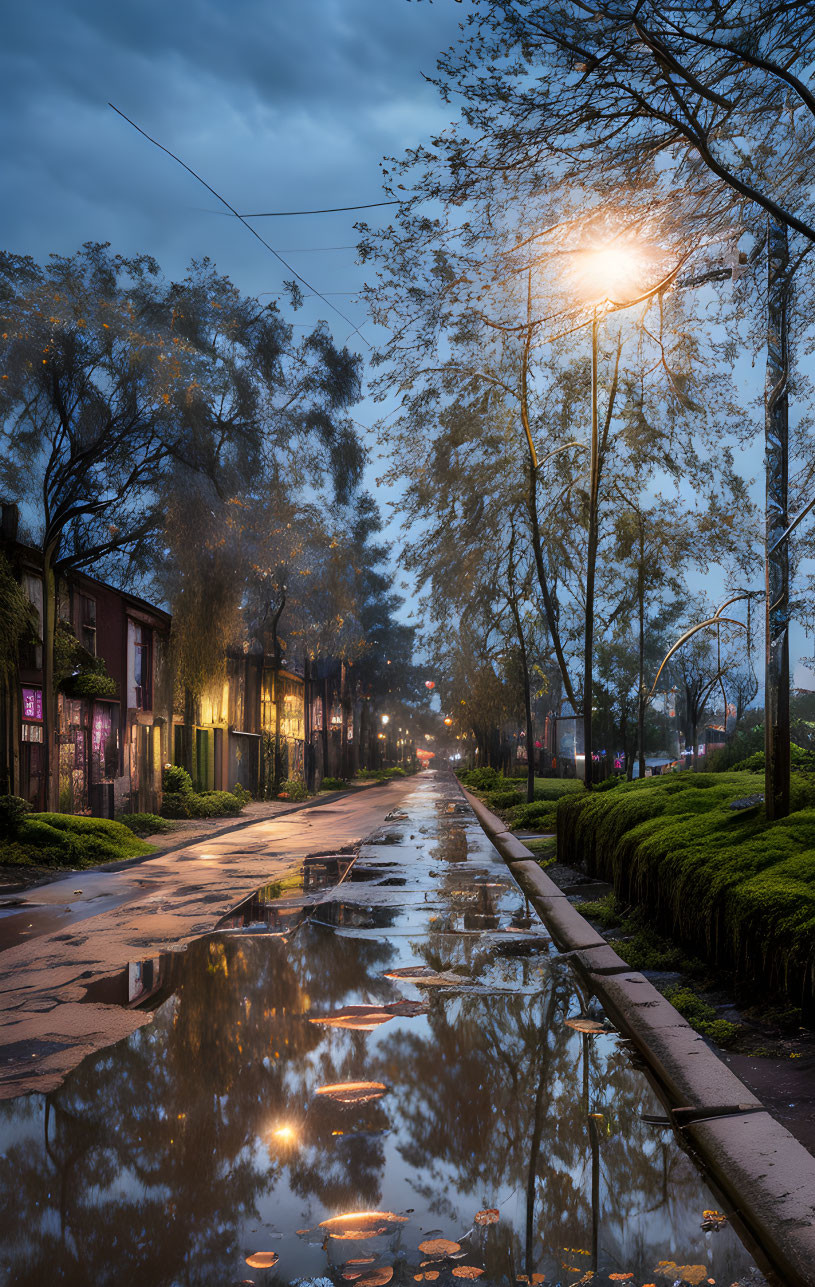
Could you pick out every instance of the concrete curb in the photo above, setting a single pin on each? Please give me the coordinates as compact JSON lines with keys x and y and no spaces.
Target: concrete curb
{"x":764,"y":1174}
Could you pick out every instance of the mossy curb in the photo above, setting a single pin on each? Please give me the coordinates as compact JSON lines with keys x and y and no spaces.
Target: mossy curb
{"x":724,"y":883}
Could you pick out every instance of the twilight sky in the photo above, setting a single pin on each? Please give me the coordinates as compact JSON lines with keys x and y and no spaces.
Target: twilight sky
{"x":279,"y":104}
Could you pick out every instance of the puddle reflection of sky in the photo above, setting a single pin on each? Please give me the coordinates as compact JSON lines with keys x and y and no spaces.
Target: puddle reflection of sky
{"x":201,"y":1140}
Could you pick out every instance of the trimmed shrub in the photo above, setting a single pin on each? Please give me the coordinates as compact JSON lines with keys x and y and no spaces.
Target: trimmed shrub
{"x":178,"y":804}
{"x":13,"y":812}
{"x":482,"y":779}
{"x":333,"y":784}
{"x":65,"y":840}
{"x":241,"y":794}
{"x":174,"y":779}
{"x":539,"y":816}
{"x":503,"y":799}
{"x":145,"y":824}
{"x":216,"y":804}
{"x":293,"y":789}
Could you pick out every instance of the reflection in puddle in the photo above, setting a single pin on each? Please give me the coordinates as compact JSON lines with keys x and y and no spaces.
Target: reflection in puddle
{"x":307,"y":1107}
{"x":136,"y":985}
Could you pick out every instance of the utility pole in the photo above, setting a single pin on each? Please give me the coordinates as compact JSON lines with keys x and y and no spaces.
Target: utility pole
{"x":591,"y":559}
{"x":777,"y":562}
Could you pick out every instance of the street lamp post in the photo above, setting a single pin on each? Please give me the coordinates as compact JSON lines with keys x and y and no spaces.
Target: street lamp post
{"x":591,"y":560}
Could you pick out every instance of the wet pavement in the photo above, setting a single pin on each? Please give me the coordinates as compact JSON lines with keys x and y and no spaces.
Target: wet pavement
{"x":92,"y":924}
{"x":373,"y":1071}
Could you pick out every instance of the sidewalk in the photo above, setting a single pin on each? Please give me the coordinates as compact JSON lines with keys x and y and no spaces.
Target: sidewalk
{"x":93,"y":924}
{"x":186,"y":831}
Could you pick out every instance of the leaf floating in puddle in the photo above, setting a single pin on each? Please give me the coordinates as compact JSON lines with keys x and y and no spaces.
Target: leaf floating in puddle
{"x":361,"y":1224}
{"x":692,"y":1274}
{"x":262,"y":1259}
{"x":360,"y":1018}
{"x":466,"y":1271}
{"x":300,"y":1232}
{"x":430,"y":1276}
{"x":585,"y":1025}
{"x":376,"y":1277}
{"x":423,"y":977}
{"x":713,"y":1220}
{"x":353,"y":1092}
{"x":361,"y":1260}
{"x":489,"y":1216}
{"x":408,"y":1009}
{"x":439,"y":1247}
{"x":620,"y":1278}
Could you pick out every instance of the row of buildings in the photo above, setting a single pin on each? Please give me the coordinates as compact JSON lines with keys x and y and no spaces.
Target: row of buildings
{"x":120,"y":718}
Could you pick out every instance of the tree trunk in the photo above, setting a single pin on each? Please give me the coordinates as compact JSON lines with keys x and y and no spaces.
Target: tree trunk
{"x":641,"y":687}
{"x":188,"y":741}
{"x":591,"y":563}
{"x":344,"y":717}
{"x":777,"y":600}
{"x":325,"y":732}
{"x":308,"y":749}
{"x":50,"y":765}
{"x":694,"y":745}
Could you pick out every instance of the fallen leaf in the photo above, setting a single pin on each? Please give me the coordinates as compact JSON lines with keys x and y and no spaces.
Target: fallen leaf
{"x":300,"y":1232}
{"x":422,"y":976}
{"x":262,"y":1259}
{"x":585,"y":1025}
{"x":431,"y":1275}
{"x":620,"y":1278}
{"x":692,"y":1274}
{"x":466,"y":1271}
{"x":353,"y":1092}
{"x":361,"y":1260}
{"x":407,"y":1008}
{"x":361,"y":1224}
{"x":376,"y":1277}
{"x":359,"y":1018}
{"x":488,"y":1216}
{"x":713,"y":1220}
{"x":439,"y":1247}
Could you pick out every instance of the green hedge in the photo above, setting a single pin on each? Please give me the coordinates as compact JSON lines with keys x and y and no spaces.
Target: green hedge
{"x":180,"y":801}
{"x":65,"y":840}
{"x":725,"y":883}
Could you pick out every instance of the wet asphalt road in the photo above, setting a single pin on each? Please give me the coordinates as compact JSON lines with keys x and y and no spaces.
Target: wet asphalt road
{"x":374,"y":1071}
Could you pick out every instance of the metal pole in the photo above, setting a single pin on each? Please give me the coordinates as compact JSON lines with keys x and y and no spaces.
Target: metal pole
{"x":777,"y":600}
{"x":591,"y":557}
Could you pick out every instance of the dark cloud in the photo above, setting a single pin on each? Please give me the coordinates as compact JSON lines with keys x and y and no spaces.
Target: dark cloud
{"x":278,"y":103}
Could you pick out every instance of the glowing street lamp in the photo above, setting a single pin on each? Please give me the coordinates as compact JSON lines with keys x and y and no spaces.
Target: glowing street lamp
{"x":609,"y":275}
{"x":386,"y":719}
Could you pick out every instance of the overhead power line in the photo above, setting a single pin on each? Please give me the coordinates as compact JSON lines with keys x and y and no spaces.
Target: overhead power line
{"x":242,"y":219}
{"x":282,"y":214}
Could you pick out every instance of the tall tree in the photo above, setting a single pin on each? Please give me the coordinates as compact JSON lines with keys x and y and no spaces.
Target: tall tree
{"x":120,"y":390}
{"x":655,"y":100}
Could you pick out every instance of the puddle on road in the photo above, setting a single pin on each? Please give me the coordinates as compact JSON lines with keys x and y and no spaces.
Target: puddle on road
{"x":294,"y":1115}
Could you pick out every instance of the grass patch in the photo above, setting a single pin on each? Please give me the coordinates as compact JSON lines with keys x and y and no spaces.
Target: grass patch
{"x":726,"y":885}
{"x":64,"y":840}
{"x":702,"y":1016}
{"x":146,"y":824}
{"x":604,"y":911}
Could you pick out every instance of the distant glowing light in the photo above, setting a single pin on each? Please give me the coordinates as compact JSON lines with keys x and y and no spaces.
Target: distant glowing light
{"x":616,"y":272}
